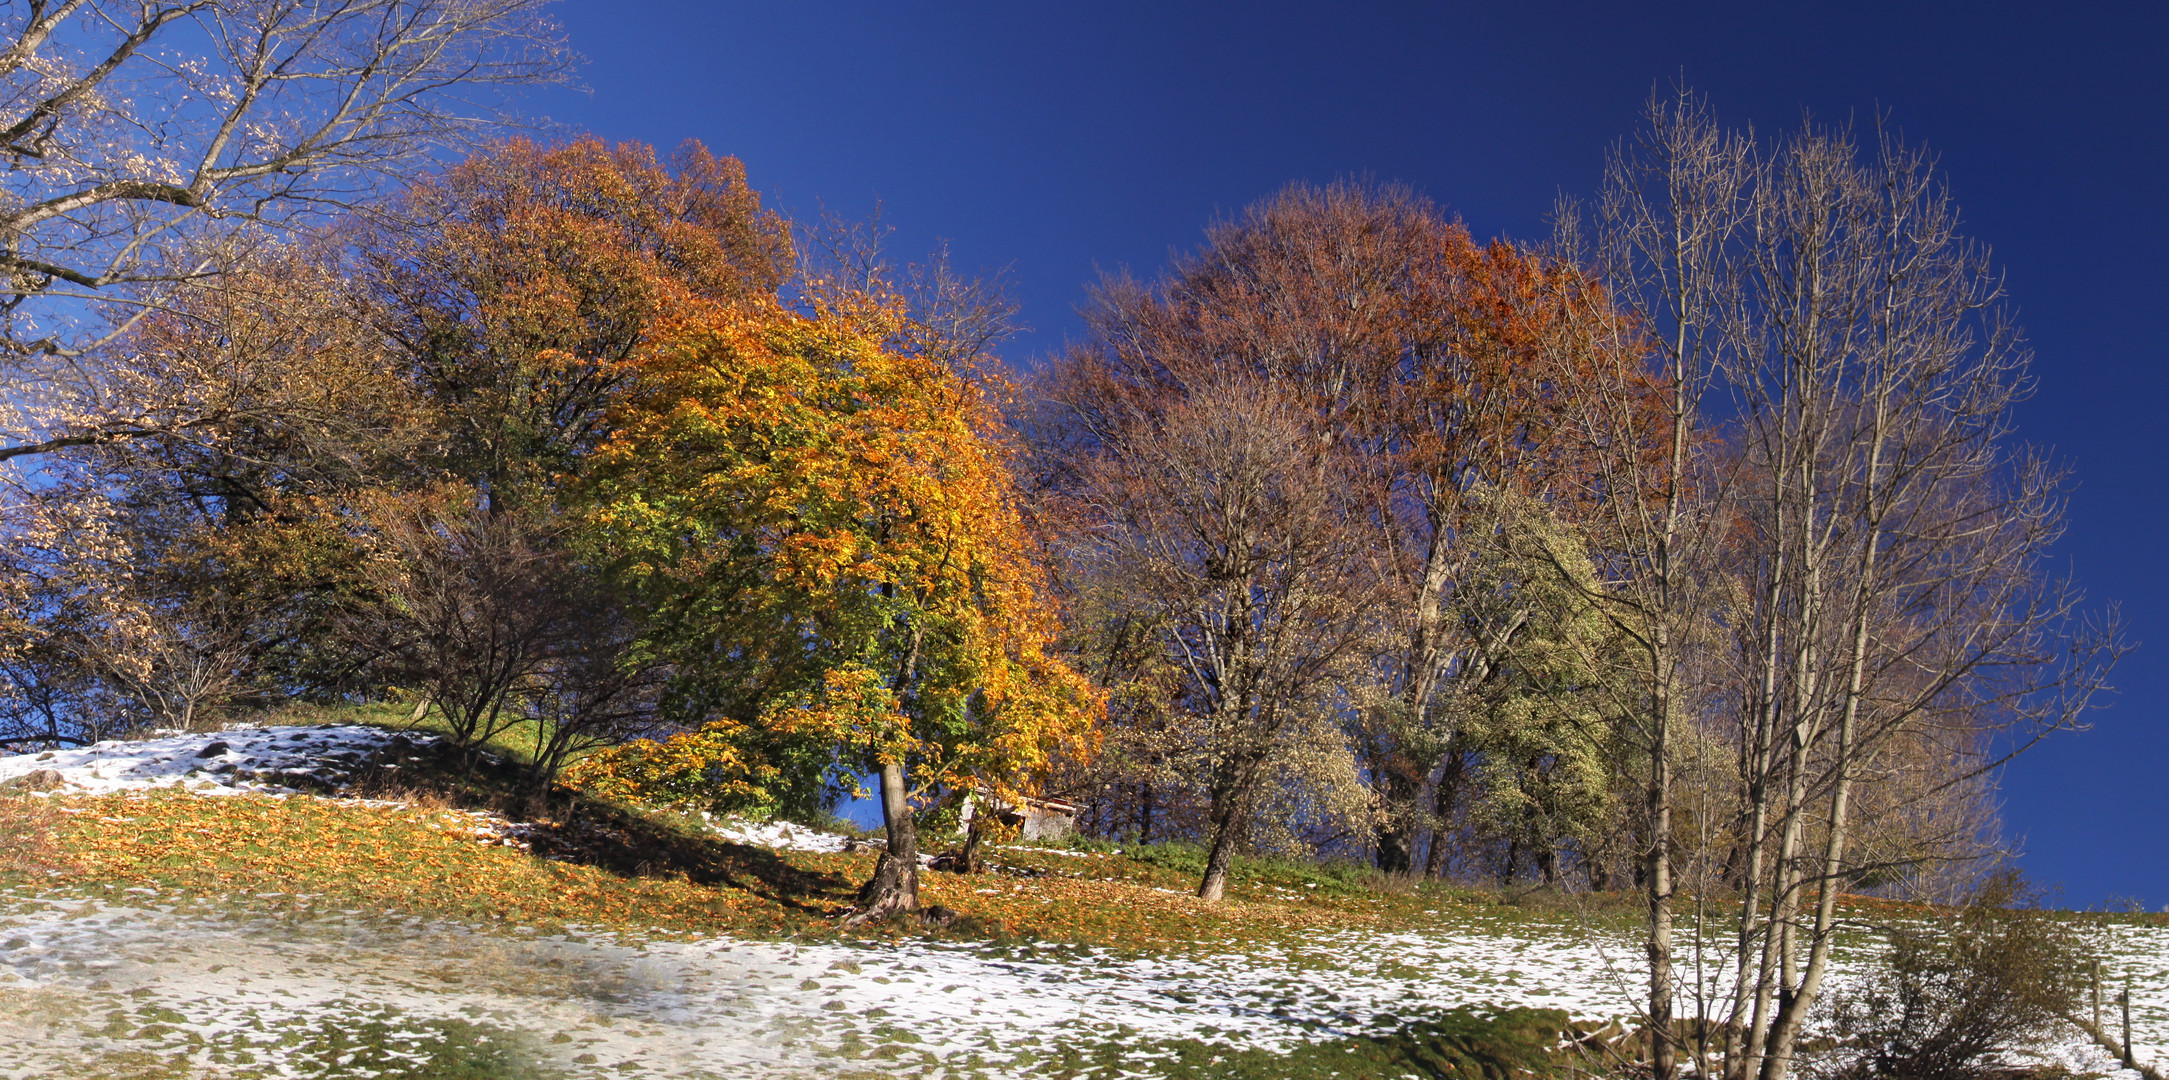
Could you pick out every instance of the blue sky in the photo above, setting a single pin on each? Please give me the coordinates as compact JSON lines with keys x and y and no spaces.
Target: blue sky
{"x":1060,"y":139}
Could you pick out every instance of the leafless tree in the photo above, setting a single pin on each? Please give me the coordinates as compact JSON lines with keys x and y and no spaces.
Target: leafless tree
{"x":143,"y":138}
{"x":489,"y":616}
{"x":1669,"y":213}
{"x":1222,"y":511}
{"x":152,"y":145}
{"x":1871,"y":536}
{"x":845,"y":267}
{"x":1904,"y":590}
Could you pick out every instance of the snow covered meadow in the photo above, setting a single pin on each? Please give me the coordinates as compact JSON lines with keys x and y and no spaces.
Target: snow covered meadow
{"x":174,"y":985}
{"x":85,"y":984}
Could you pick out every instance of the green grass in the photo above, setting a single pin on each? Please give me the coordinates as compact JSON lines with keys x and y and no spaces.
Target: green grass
{"x":1463,"y":1044}
{"x":116,"y":1038}
{"x":377,"y":1042}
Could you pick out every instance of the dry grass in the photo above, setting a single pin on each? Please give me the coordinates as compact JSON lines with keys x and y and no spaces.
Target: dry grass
{"x":30,"y":844}
{"x":626,"y":872}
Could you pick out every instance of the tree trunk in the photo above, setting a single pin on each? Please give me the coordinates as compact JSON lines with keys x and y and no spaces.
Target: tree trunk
{"x":1443,"y":799}
{"x":894,"y":889}
{"x":1420,"y":673}
{"x":967,"y":860}
{"x":1397,"y":838}
{"x":1785,"y":1032}
{"x":1226,"y":821}
{"x":1659,"y":878}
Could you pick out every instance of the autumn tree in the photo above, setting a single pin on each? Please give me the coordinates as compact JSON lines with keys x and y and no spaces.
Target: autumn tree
{"x":516,"y":286}
{"x":508,"y":295}
{"x":157,"y":152}
{"x":1427,"y":364}
{"x":1477,"y":411}
{"x":473,"y":334}
{"x":828,"y":549}
{"x":200,"y":543}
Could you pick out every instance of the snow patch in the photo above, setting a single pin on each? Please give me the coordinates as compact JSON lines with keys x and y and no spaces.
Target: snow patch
{"x":724,"y":1007}
{"x":775,"y":835}
{"x":274,"y":760}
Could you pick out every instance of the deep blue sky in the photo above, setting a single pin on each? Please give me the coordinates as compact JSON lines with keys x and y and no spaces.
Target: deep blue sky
{"x":1061,"y":138}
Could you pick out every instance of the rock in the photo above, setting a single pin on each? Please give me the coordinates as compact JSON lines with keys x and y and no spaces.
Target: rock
{"x":41,"y":780}
{"x":936,"y":915}
{"x":212,"y":750}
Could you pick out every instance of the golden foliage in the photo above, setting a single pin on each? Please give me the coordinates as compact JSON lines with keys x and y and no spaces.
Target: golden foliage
{"x":832,"y":549}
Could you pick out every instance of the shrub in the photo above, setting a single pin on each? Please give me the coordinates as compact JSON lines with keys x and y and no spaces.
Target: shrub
{"x":1958,"y":993}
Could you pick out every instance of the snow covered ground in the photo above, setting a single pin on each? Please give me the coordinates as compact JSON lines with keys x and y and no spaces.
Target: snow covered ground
{"x":85,"y":988}
{"x":83,"y":984}
{"x":776,"y":835}
{"x":2141,"y":962}
{"x":258,"y":760}
{"x":218,"y":992}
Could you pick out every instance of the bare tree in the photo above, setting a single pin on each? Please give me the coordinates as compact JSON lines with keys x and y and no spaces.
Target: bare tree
{"x":1904,"y":584}
{"x":1224,"y":513}
{"x":1669,"y":212}
{"x":152,"y":145}
{"x":1872,"y":541}
{"x":120,"y":619}
{"x":143,"y":138}
{"x":488,"y":614}
{"x":845,"y":268}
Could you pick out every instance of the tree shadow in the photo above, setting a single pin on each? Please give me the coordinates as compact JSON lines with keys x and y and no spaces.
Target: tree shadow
{"x":1466,"y":1045}
{"x":572,"y":827}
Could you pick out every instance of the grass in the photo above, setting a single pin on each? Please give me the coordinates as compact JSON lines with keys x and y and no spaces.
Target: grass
{"x":605,"y":867}
{"x":1464,"y":1044}
{"x":637,"y":875}
{"x":428,"y":842}
{"x":376,"y":1042}
{"x":410,"y":846}
{"x":353,"y":1040}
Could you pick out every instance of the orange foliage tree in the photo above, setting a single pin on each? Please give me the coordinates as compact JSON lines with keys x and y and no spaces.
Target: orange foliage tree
{"x":1429,"y":371}
{"x":511,"y":293}
{"x":516,"y":286}
{"x":828,"y":547}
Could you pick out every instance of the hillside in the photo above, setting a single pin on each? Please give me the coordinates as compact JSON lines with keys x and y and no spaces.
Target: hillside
{"x":345,"y":901}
